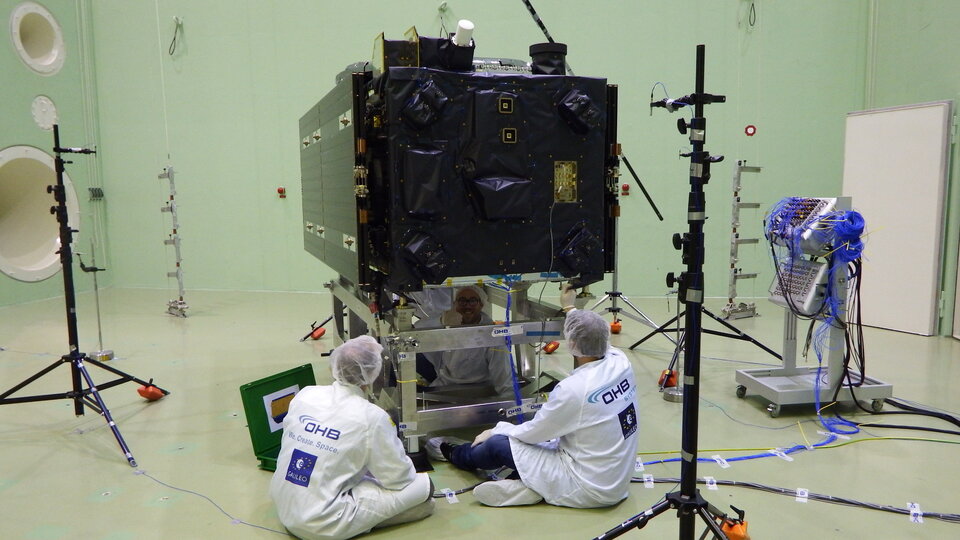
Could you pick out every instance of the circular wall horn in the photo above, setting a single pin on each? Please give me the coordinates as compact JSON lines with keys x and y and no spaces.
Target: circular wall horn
{"x":37,"y":37}
{"x":29,"y":233}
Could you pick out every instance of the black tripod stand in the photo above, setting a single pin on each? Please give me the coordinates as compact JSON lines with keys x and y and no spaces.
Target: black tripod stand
{"x":89,"y":396}
{"x":678,"y":243}
{"x":688,"y":502}
{"x":735,"y":333}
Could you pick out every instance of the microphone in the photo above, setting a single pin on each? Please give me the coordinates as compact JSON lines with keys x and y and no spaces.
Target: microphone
{"x":75,"y":150}
{"x":671,"y":105}
{"x":86,"y":268}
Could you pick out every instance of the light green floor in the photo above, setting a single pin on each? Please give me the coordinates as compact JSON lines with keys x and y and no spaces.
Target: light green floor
{"x":64,"y":477}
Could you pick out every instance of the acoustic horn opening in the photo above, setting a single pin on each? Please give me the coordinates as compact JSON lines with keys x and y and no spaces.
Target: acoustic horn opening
{"x":37,"y":37}
{"x":29,"y":233}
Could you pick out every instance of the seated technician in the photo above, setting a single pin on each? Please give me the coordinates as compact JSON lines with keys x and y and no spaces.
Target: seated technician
{"x":342,"y":470}
{"x":579,"y":449}
{"x":467,"y":366}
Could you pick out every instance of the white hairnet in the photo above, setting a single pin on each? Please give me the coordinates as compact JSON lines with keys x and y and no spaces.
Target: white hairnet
{"x":479,"y":290}
{"x":587,"y":333}
{"x":357,"y":361}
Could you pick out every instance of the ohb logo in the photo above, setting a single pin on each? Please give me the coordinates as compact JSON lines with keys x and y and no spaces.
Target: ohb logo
{"x":609,"y":394}
{"x":311,"y":425}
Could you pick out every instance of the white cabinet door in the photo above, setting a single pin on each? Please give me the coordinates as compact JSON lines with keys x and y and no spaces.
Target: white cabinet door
{"x":895,"y":169}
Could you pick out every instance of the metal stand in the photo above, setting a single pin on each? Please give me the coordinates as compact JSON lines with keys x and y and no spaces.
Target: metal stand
{"x":732,"y":310}
{"x":739,"y":310}
{"x":735,"y":333}
{"x":174,"y":307}
{"x":795,"y":385}
{"x":78,"y":371}
{"x":615,"y":295}
{"x":674,"y":393}
{"x":419,"y":413}
{"x":688,"y":502}
{"x":100,"y":354}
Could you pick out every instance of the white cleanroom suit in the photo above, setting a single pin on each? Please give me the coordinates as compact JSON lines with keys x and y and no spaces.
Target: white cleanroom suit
{"x":579,"y":450}
{"x":342,"y":469}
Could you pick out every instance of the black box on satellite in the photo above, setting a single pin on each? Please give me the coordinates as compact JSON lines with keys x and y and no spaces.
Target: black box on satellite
{"x":455,"y":168}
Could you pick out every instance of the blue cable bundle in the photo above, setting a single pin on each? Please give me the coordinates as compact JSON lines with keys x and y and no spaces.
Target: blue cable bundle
{"x":513,"y":370}
{"x":850,"y":226}
{"x":840,"y":230}
{"x":780,"y":225}
{"x":848,"y":229}
{"x":843,"y":230}
{"x":828,"y":439}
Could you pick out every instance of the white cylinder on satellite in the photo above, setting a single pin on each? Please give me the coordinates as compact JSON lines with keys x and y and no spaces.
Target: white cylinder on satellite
{"x":464,"y":33}
{"x":29,"y":233}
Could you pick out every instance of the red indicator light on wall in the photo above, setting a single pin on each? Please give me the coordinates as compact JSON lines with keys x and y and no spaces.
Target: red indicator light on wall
{"x":625,"y":190}
{"x":282,"y":192}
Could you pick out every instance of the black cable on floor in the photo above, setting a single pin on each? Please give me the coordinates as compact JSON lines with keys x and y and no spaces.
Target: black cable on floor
{"x":440,"y":494}
{"x":949,"y":518}
{"x":908,"y":410}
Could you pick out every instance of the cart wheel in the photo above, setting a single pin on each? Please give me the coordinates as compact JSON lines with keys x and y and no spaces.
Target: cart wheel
{"x":741,"y":391}
{"x":876,"y":405}
{"x":774,"y":410}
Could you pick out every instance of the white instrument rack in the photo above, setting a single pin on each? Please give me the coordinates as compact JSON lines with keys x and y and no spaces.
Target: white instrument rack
{"x":176,"y":307}
{"x":796,"y":385}
{"x":734,"y":309}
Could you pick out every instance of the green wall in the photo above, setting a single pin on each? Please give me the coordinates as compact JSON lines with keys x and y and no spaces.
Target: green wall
{"x":72,"y":92}
{"x":225,"y":106}
{"x":223,"y":111}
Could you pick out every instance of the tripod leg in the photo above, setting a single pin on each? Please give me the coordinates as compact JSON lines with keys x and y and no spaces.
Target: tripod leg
{"x":673,"y":360}
{"x":660,"y":330}
{"x":646,"y":319}
{"x":602,"y":300}
{"x":636,"y":522}
{"x":712,"y":524}
{"x":640,"y":313}
{"x":127,"y":376}
{"x":740,"y":334}
{"x":78,"y":364}
{"x":32,"y":378}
